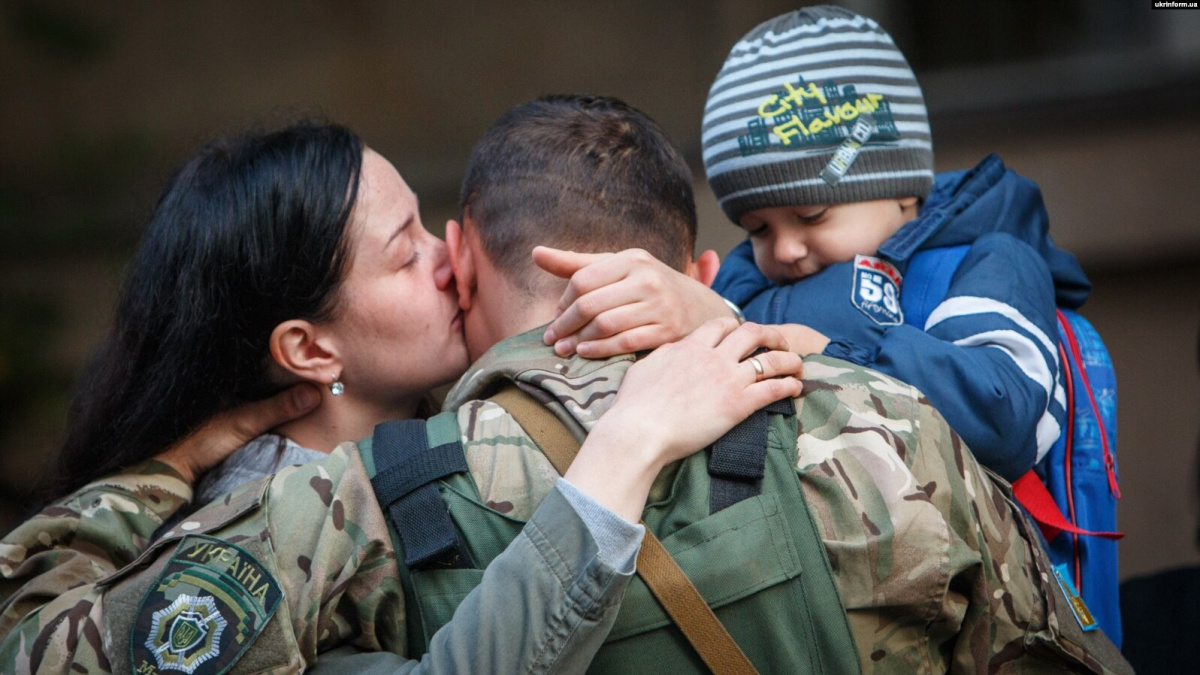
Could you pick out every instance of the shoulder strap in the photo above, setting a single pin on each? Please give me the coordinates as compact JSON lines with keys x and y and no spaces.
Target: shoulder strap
{"x":551,"y":436}
{"x":655,"y":565}
{"x":927,"y":281}
{"x":738,"y":458}
{"x":406,"y":469}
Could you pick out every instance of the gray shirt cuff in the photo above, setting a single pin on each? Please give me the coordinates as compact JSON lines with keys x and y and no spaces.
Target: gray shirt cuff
{"x":617,"y":539}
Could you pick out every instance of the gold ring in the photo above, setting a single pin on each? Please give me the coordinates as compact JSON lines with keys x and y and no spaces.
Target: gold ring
{"x":758,"y":369}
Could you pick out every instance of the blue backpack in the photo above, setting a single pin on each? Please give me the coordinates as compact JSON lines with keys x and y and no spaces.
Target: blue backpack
{"x":1072,"y":493}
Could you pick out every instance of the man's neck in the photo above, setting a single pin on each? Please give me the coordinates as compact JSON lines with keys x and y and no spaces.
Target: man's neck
{"x":501,"y":311}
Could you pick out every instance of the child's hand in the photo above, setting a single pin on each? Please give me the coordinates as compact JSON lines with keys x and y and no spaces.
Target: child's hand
{"x":802,"y":339}
{"x":210,"y":443}
{"x":624,"y":302}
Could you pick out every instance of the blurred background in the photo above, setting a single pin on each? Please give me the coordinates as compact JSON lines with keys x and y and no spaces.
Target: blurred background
{"x":1099,"y":102}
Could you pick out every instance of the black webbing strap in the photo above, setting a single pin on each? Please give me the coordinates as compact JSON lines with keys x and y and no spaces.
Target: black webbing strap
{"x":406,"y":468}
{"x":738,"y":458}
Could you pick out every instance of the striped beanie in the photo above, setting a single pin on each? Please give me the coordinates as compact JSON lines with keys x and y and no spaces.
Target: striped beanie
{"x":817,"y":106}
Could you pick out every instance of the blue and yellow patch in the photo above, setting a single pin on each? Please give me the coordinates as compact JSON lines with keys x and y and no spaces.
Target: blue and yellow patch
{"x":206,"y":607}
{"x":1087,"y":621}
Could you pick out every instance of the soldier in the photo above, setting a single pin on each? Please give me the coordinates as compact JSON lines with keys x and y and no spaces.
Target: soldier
{"x":932,"y":569}
{"x":267,"y":205}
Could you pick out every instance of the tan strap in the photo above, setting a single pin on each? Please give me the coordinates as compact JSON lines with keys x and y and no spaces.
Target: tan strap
{"x":663,"y":576}
{"x":550,"y":434}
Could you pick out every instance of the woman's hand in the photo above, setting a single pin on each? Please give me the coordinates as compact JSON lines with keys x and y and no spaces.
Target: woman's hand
{"x":619,"y":303}
{"x":686,"y":395}
{"x":217,"y":438}
{"x":677,"y":401}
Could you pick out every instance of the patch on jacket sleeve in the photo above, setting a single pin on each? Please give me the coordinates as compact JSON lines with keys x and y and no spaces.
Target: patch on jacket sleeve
{"x":206,"y":607}
{"x":877,"y":290}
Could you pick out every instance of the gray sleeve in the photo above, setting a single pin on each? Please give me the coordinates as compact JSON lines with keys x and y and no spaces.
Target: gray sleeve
{"x":545,"y":605}
{"x":617,"y":538}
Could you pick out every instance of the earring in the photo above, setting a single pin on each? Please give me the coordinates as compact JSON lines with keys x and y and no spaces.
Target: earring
{"x":336,"y":387}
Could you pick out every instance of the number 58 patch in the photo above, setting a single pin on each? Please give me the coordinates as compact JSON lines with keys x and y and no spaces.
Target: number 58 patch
{"x":877,"y":290}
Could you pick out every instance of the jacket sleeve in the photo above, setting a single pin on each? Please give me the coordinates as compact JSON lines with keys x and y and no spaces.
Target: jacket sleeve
{"x":987,"y":357}
{"x":1012,"y":616}
{"x":544,"y":606}
{"x":86,"y":536}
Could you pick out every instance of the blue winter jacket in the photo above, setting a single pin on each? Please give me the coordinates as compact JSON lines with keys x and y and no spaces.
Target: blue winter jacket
{"x":987,"y":356}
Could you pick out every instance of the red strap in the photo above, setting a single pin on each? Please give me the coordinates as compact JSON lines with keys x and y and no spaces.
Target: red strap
{"x":1037,"y":500}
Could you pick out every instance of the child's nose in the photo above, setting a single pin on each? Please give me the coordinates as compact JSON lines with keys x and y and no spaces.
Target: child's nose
{"x":789,"y":249}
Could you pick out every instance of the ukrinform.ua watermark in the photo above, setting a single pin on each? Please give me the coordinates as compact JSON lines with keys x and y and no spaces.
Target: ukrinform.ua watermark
{"x":1170,"y":4}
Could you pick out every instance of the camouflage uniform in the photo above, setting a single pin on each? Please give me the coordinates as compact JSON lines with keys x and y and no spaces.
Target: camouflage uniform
{"x":936,"y":569}
{"x":317,"y":532}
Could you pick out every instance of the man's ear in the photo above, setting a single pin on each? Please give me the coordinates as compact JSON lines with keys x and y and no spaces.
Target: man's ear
{"x":298,"y":347}
{"x":461,"y":262}
{"x":704,"y":269}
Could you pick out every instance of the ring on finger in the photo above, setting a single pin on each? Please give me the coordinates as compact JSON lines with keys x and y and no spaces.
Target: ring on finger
{"x":759,"y":374}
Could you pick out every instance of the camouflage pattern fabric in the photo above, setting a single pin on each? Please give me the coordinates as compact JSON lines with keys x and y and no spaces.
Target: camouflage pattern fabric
{"x":937,"y":568}
{"x":316,"y":528}
{"x":86,"y":536}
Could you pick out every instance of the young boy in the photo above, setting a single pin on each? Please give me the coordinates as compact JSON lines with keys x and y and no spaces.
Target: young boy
{"x":817,"y":143}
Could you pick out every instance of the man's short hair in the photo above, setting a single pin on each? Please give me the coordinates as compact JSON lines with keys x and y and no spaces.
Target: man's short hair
{"x":584,"y":173}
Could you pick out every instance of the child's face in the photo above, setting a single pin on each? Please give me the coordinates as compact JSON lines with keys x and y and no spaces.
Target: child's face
{"x":792,"y":242}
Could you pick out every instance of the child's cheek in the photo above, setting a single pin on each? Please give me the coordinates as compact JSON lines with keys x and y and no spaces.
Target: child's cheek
{"x":763,"y":259}
{"x":771,"y":268}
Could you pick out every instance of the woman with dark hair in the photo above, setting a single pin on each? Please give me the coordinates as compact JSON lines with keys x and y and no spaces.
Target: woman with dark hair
{"x":248,"y":233}
{"x":299,"y":257}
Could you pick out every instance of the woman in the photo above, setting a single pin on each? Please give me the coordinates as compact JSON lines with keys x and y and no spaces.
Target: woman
{"x":298,"y":256}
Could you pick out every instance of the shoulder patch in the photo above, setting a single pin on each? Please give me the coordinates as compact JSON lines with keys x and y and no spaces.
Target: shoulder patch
{"x":876,"y":291}
{"x":206,"y":607}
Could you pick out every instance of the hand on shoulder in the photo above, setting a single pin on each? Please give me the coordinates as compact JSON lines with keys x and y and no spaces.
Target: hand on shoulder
{"x":209,"y":444}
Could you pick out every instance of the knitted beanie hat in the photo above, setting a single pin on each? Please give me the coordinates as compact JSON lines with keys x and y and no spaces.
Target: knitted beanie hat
{"x":817,"y":106}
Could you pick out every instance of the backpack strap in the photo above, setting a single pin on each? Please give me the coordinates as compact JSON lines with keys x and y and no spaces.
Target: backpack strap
{"x":927,"y":280}
{"x":1067,"y":333}
{"x":406,"y":469}
{"x":662,"y":575}
{"x":738,"y":458}
{"x":1030,"y":490}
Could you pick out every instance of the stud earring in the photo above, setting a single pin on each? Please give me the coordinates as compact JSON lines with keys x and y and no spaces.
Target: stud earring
{"x":336,"y":387}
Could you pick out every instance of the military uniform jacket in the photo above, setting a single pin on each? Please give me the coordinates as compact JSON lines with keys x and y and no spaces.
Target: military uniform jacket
{"x":279,"y":571}
{"x":936,"y":568}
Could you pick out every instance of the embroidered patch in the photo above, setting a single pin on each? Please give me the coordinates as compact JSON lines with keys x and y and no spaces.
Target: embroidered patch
{"x":210,"y":602}
{"x":1082,"y":614}
{"x":807,"y":115}
{"x":877,"y":290}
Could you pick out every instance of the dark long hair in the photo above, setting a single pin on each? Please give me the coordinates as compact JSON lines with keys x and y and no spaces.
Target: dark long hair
{"x":247,"y":233}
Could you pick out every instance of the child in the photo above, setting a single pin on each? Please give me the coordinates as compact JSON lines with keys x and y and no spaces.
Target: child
{"x":816,"y":142}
